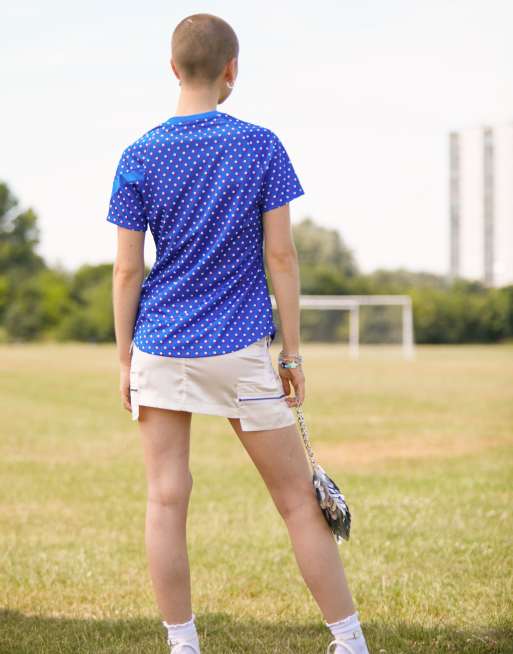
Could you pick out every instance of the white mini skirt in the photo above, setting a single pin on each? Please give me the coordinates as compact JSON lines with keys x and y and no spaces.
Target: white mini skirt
{"x":241,"y":384}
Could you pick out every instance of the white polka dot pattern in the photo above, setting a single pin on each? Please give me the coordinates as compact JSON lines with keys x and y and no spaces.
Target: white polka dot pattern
{"x":201,"y":183}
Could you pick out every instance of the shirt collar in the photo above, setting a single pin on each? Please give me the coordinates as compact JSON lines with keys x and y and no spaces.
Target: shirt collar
{"x":187,"y":117}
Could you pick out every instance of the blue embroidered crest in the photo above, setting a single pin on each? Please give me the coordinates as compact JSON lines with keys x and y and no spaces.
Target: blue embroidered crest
{"x":124,"y":178}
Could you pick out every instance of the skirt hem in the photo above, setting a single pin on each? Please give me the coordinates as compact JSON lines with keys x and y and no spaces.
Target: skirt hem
{"x":208,"y":409}
{"x":212,"y":410}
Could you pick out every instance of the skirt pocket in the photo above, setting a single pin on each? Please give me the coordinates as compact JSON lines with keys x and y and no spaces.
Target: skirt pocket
{"x":262,"y":408}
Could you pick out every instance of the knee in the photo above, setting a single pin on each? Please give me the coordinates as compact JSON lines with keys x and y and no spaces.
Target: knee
{"x":299,"y":502}
{"x":174,"y":492}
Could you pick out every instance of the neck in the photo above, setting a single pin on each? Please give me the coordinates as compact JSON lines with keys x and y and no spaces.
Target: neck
{"x":196,"y":100}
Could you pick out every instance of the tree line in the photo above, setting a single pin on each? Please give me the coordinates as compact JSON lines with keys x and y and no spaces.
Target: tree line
{"x":40,"y":302}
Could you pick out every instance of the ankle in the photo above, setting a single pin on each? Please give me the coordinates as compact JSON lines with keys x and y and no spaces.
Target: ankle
{"x":348,"y":630}
{"x":184,"y":633}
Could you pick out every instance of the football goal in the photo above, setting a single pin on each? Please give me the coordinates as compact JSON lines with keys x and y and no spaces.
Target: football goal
{"x":352,"y":303}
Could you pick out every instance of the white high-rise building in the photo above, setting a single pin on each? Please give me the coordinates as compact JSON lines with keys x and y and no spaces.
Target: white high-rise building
{"x":481,"y":204}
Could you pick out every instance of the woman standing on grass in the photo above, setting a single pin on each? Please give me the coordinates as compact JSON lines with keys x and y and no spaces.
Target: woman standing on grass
{"x":194,"y":336}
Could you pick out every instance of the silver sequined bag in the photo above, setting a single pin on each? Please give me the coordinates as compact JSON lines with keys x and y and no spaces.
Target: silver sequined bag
{"x":329,"y":496}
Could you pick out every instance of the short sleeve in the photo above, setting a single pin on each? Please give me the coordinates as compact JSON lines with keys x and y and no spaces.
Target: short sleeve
{"x":280,"y":182}
{"x":126,"y":207}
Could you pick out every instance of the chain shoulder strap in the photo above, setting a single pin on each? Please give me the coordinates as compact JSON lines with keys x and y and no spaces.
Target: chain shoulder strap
{"x":304,"y":434}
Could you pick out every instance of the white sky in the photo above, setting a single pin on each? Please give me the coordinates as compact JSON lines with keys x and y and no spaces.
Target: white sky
{"x":362,"y":94}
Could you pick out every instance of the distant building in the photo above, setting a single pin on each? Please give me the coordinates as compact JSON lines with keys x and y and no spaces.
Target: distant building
{"x":481,"y":204}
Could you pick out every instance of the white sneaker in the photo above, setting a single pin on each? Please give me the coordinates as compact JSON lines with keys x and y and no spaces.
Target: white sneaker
{"x":177,"y":647}
{"x":343,"y":644}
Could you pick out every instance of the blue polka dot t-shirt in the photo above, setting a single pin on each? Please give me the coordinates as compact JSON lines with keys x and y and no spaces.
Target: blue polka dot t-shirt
{"x":201,"y":183}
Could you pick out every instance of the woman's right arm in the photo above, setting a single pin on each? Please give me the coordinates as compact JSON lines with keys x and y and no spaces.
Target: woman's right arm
{"x":282,"y":263}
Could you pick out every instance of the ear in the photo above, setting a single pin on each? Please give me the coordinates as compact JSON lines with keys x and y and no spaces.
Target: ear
{"x":173,"y":68}
{"x":234,"y":67}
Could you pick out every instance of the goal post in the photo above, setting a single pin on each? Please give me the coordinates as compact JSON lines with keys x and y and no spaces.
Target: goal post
{"x":352,"y":303}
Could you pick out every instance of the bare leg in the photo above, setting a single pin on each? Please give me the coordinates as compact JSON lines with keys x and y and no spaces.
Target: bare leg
{"x":281,"y":460}
{"x":166,"y":438}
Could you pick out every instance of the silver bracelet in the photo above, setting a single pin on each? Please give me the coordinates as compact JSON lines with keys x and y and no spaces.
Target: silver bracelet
{"x":289,"y":364}
{"x":289,"y":360}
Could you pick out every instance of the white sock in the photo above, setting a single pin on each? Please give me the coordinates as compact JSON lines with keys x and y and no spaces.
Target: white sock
{"x":344,"y":629}
{"x":184,"y":632}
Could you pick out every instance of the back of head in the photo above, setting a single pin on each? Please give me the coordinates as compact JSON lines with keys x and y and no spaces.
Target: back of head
{"x":201,"y":46}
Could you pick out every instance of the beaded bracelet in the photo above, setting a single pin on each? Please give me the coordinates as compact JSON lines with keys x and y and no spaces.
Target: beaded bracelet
{"x":291,"y":360}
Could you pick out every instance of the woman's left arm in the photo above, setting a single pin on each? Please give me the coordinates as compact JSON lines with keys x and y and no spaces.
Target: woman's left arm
{"x":127,"y":278}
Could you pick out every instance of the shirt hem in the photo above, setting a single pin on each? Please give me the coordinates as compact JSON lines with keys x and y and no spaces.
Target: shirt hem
{"x":134,"y":228}
{"x":281,"y":203}
{"x":267,"y":332}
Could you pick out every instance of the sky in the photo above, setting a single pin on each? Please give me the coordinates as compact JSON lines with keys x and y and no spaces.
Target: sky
{"x":362,"y":94}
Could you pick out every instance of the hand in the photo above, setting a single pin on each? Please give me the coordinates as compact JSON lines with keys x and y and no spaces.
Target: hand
{"x":296,"y":377}
{"x":124,"y":386}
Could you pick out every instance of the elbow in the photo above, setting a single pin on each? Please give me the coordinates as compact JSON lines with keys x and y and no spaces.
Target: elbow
{"x":278,"y":259}
{"x":124,"y":272}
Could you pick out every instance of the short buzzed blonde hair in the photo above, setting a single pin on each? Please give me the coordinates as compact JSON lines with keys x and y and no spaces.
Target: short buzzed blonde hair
{"x":201,"y":46}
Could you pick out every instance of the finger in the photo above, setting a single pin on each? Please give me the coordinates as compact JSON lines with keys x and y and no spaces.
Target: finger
{"x":300,"y":392}
{"x":126,"y":399}
{"x":287,"y":388}
{"x":291,"y":401}
{"x":285,"y":382}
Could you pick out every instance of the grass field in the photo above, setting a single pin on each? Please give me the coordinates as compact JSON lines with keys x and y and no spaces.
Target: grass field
{"x":422,"y":449}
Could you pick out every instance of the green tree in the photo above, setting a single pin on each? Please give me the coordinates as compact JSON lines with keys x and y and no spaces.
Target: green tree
{"x":91,"y":316}
{"x":322,"y":247}
{"x":19,"y":262}
{"x":19,"y":236}
{"x":38,"y":305}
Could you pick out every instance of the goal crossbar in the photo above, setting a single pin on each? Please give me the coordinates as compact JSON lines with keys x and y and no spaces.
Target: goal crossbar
{"x":352,"y":303}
